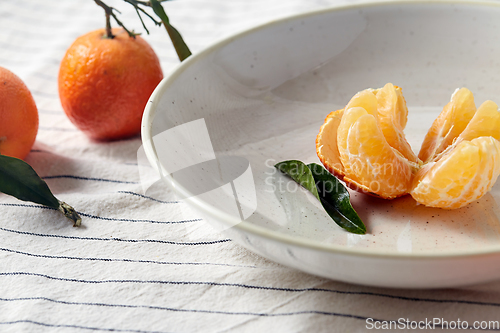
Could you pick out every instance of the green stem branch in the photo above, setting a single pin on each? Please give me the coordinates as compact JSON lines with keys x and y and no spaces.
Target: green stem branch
{"x":110,"y":12}
{"x":70,"y":213}
{"x":20,"y":180}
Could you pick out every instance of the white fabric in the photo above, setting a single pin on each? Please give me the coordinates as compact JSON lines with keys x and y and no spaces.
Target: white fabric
{"x":144,"y":263}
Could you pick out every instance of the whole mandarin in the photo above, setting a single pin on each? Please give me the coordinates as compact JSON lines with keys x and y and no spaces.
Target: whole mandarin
{"x":105,"y":83}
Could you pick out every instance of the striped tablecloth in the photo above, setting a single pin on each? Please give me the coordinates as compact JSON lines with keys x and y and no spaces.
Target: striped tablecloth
{"x":148,"y":264}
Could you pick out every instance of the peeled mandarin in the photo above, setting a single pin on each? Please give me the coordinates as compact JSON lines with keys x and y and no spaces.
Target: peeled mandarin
{"x":326,"y":143}
{"x":364,"y":145}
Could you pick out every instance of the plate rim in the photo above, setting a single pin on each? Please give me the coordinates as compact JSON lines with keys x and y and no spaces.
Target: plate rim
{"x":176,"y":71}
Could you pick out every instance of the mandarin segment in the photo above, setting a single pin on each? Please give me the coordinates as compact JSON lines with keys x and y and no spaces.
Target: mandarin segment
{"x":391,"y":105}
{"x":326,"y":143}
{"x":486,"y":122}
{"x":393,"y":115}
{"x":449,"y":124}
{"x":461,"y":176}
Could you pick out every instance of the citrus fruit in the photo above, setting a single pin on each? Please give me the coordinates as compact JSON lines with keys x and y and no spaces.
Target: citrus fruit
{"x":459,"y":160}
{"x":18,"y":116}
{"x":105,"y":83}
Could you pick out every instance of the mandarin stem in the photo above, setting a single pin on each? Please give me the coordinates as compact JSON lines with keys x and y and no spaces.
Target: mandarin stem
{"x":180,"y":46}
{"x":108,"y":11}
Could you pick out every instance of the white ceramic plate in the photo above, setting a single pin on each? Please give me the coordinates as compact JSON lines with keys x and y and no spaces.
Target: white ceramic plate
{"x":218,"y":123}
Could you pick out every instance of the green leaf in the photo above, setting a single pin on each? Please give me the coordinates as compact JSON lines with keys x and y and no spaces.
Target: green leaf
{"x":180,"y":46}
{"x":17,"y":178}
{"x":332,"y":194}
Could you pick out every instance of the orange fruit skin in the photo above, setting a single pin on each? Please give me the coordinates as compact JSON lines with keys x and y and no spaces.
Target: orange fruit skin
{"x":18,"y":116}
{"x":104,"y":84}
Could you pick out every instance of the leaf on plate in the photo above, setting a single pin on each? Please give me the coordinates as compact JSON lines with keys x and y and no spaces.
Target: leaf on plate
{"x":332,"y":194}
{"x":18,"y":179}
